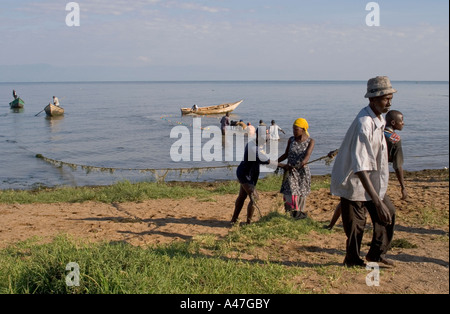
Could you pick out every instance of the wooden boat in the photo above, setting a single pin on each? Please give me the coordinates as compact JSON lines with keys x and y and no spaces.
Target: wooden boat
{"x":217,"y":109}
{"x":16,"y":103}
{"x":53,"y":111}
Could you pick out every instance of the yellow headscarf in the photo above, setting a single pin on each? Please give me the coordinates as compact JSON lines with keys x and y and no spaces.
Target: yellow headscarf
{"x":302,"y":123}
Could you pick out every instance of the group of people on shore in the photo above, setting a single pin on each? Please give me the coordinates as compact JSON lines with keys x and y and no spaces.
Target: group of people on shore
{"x":271,"y":132}
{"x":359,"y":177}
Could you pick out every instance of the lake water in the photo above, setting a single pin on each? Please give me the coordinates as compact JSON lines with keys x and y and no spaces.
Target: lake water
{"x":125,"y":125}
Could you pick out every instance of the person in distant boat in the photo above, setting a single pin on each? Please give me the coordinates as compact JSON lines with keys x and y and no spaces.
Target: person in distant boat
{"x":224,"y":122}
{"x":55,"y":101}
{"x":194,"y":108}
{"x":273,"y":131}
{"x":15,"y":94}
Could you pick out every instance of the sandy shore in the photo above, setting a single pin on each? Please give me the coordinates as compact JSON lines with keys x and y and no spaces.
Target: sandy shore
{"x":423,"y":269}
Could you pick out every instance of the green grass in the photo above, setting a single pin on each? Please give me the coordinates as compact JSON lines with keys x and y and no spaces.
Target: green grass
{"x":403,"y":244}
{"x":119,"y":192}
{"x":246,"y":261}
{"x":431,"y":216}
{"x":178,"y":268}
{"x":202,"y":265}
{"x":275,"y":226}
{"x":126,"y":191}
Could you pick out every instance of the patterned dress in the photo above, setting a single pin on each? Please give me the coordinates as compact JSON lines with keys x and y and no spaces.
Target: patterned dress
{"x":297,"y":184}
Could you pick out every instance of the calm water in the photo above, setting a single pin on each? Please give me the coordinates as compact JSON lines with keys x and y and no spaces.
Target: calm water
{"x":128,"y":125}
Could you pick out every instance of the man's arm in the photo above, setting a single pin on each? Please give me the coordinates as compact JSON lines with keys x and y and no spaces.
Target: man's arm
{"x":401,"y":180}
{"x":397,"y":163}
{"x":382,"y":210}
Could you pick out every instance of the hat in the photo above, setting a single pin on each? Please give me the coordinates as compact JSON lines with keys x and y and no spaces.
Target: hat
{"x":302,"y":123}
{"x":379,"y":86}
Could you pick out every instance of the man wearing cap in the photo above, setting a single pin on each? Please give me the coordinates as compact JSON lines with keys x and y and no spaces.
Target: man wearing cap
{"x":360,"y":177}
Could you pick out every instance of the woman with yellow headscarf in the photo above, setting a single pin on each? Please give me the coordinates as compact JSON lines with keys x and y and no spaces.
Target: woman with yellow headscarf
{"x":297,"y":184}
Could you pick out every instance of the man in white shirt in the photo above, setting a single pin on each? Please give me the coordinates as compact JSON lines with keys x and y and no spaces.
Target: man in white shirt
{"x":273,"y":131}
{"x":360,"y":177}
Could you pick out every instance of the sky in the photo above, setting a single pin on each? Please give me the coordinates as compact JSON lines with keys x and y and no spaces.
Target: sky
{"x":165,"y":40}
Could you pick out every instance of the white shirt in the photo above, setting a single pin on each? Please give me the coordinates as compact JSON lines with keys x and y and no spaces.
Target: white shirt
{"x":273,"y":132}
{"x":364,"y":149}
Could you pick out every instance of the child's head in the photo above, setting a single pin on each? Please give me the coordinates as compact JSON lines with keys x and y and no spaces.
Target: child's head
{"x":394,"y":119}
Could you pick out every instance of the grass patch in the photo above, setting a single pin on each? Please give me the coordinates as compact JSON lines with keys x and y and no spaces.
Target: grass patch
{"x":119,"y":268}
{"x":403,"y":244}
{"x":178,"y":268}
{"x":274,"y":226}
{"x":126,"y":191}
{"x":119,"y":192}
{"x":432,"y":216}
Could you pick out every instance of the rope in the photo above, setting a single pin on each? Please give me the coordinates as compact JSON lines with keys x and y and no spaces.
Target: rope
{"x":154,"y":171}
{"x":159,"y":174}
{"x":426,"y":156}
{"x":328,"y":158}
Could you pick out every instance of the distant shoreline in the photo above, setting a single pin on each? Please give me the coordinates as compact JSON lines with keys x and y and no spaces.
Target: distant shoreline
{"x":224,"y":81}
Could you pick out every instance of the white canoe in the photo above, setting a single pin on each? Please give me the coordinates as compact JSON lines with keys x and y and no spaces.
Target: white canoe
{"x":217,"y":109}
{"x":52,"y":110}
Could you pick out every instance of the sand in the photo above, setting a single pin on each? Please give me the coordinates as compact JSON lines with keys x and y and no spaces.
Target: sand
{"x":423,"y":269}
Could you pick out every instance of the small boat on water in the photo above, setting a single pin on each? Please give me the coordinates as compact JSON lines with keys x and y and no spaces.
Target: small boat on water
{"x":17,"y":103}
{"x":53,"y":111}
{"x":216,"y":109}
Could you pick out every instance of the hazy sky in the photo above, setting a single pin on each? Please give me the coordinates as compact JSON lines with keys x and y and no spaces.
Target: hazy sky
{"x":223,"y":40}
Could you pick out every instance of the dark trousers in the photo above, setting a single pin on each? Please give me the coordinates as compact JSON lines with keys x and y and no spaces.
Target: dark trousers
{"x":354,"y":221}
